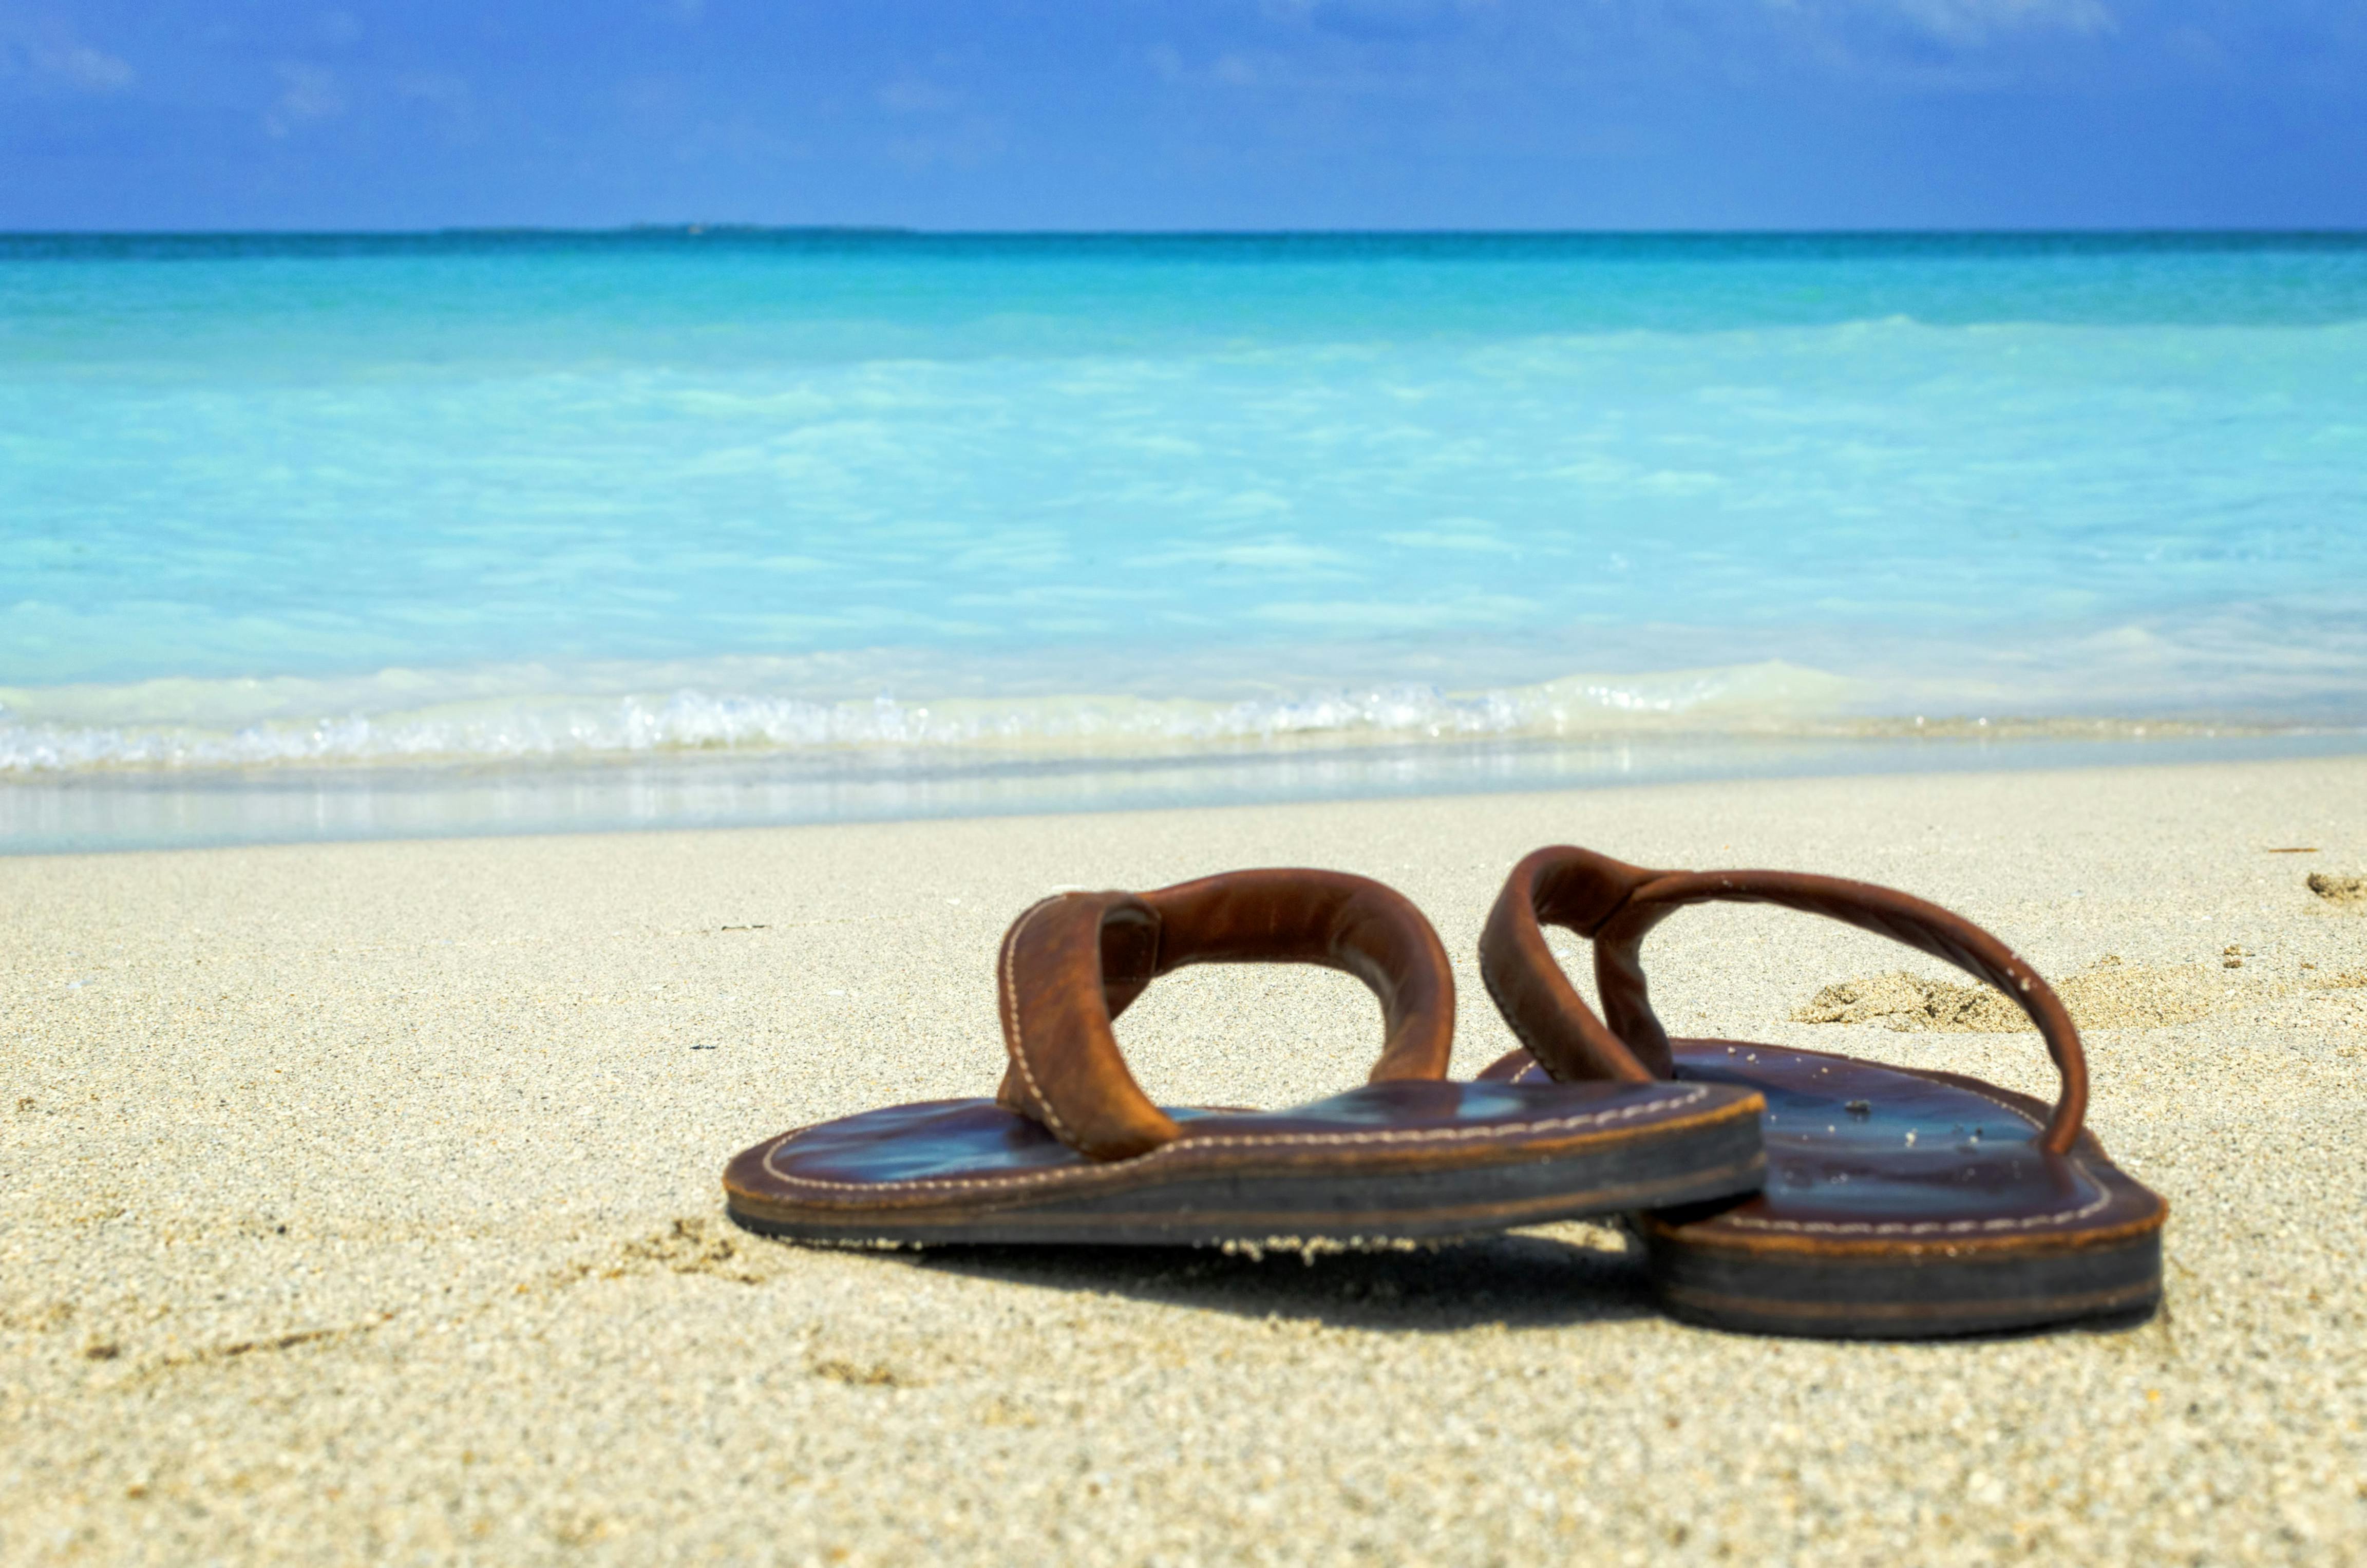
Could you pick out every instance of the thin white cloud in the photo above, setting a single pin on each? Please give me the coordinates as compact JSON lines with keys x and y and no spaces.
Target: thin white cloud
{"x":446,"y":100}
{"x":1376,"y":18}
{"x":963,"y":145}
{"x":308,"y":93}
{"x":94,"y":71}
{"x":1967,"y":22}
{"x":1305,"y":70}
{"x":1246,"y":69}
{"x":911,"y":95}
{"x":53,"y":53}
{"x":1975,"y":21}
{"x":439,"y":89}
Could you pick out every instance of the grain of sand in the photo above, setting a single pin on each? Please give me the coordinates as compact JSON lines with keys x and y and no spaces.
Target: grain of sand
{"x":361,"y":1204}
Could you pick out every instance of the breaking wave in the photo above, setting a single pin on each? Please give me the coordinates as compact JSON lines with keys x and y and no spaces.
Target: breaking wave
{"x":89,"y":729}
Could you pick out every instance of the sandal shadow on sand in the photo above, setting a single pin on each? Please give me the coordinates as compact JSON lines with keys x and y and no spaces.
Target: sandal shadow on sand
{"x":1898,"y":1203}
{"x":1071,"y":1149}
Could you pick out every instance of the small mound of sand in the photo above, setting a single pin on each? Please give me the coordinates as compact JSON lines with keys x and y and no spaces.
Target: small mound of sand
{"x":2348,"y":891}
{"x":1911,"y":1003}
{"x":2112,"y":996}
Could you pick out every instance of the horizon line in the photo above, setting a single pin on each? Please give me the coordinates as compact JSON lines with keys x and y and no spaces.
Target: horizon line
{"x":701,"y":228}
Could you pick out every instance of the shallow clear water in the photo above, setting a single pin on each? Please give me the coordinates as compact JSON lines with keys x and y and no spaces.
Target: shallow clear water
{"x":288,"y":500}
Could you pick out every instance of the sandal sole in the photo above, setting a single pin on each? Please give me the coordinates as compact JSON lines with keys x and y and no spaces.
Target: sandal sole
{"x":1612,"y":1149}
{"x":1857,"y":1236}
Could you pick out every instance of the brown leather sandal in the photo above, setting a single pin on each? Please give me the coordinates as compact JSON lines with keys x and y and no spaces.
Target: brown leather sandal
{"x":1071,"y":1150}
{"x":1898,"y":1203}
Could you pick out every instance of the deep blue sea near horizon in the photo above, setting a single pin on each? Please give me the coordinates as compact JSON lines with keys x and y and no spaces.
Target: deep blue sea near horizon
{"x":833,"y":524}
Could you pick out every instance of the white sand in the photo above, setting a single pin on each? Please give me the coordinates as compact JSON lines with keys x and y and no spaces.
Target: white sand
{"x":361,"y":1201}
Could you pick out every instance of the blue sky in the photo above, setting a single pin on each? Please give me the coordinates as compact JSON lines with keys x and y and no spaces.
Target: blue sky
{"x":1167,"y":113}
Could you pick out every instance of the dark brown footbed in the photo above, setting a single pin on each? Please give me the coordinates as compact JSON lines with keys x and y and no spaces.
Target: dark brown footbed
{"x":1901,"y":1204}
{"x":1898,"y":1204}
{"x":1396,"y":1160}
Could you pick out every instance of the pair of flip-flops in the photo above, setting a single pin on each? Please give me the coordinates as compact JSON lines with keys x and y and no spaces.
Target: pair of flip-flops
{"x":1777,"y":1191}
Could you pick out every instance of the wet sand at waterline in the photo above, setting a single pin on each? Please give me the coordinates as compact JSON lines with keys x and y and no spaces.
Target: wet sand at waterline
{"x":362,"y":1201}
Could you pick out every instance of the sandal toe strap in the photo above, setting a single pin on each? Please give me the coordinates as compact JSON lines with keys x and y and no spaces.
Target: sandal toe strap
{"x":1614,"y":905}
{"x":1072,"y":962}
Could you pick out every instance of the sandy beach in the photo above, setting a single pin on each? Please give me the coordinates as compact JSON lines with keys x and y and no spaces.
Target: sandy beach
{"x":361,"y":1203}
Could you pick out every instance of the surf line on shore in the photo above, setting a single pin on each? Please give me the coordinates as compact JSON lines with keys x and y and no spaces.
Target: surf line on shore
{"x":530,"y":714}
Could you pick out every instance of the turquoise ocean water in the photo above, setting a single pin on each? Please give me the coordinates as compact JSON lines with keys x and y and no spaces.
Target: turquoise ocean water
{"x":857,"y":512}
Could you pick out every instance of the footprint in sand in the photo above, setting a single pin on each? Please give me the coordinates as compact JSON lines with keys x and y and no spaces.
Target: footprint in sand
{"x":2343,"y":892}
{"x":2112,"y":996}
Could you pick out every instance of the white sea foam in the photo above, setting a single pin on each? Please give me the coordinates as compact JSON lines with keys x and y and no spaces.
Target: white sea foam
{"x":263,"y":724}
